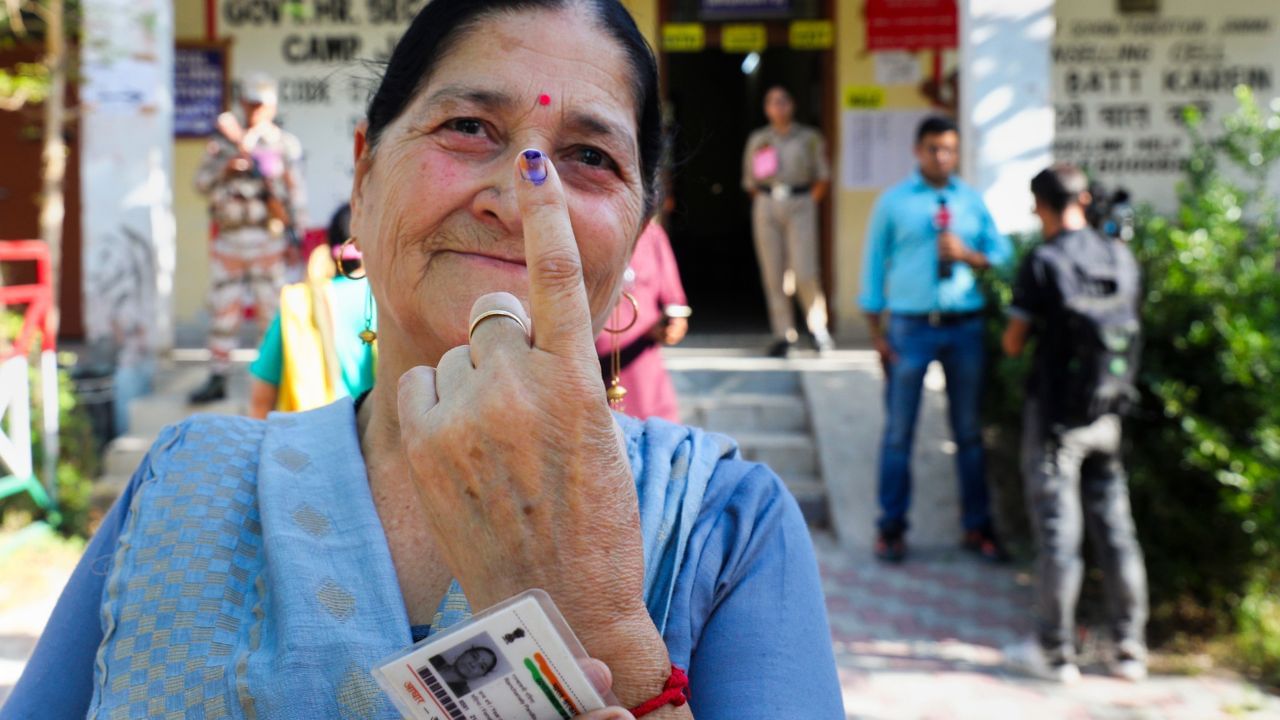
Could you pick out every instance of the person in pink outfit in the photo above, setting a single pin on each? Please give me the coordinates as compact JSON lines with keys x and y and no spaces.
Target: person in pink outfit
{"x":654,"y":281}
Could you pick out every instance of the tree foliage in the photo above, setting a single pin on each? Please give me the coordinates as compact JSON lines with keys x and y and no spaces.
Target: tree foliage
{"x":25,"y":22}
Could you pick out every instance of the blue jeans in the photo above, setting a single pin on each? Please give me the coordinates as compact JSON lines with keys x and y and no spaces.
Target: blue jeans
{"x":961,"y":351}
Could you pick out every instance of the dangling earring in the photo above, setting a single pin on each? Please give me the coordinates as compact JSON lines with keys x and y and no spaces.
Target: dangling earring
{"x":616,"y":392}
{"x":342,"y":251}
{"x":368,"y":334}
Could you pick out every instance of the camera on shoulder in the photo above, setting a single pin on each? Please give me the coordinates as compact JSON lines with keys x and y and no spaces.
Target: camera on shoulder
{"x":1111,"y":212}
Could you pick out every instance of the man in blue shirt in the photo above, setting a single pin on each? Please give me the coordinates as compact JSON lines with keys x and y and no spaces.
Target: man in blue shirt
{"x":929,"y":237}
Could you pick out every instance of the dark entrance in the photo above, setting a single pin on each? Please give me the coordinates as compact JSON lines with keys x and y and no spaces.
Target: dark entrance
{"x":716,"y":101}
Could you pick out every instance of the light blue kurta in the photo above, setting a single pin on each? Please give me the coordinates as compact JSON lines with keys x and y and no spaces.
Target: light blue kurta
{"x":250,"y":577}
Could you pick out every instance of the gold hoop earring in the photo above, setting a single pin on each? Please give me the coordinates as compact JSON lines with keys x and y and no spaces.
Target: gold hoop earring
{"x":616,"y":392}
{"x":342,"y":251}
{"x":368,"y":334}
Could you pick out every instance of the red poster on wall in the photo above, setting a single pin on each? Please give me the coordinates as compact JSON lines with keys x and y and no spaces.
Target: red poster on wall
{"x":911,"y":24}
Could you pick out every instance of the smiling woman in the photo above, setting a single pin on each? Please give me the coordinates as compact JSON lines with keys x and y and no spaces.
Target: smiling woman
{"x":260,"y":569}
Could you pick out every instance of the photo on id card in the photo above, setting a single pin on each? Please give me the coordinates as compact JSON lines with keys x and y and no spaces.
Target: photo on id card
{"x":516,"y":660}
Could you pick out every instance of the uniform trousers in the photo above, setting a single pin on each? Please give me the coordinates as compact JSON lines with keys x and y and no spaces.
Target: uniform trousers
{"x":786,"y":236}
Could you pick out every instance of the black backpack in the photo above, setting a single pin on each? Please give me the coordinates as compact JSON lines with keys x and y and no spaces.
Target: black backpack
{"x":1101,"y":337}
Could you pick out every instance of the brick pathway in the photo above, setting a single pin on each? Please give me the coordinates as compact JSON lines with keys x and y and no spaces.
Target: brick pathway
{"x":916,"y":642}
{"x":922,"y":641}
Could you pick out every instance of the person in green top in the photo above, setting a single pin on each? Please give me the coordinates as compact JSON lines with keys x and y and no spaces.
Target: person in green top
{"x":312,"y":352}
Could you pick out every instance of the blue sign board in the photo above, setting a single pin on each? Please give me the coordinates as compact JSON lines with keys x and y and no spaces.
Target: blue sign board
{"x":200,"y":89}
{"x":728,"y":9}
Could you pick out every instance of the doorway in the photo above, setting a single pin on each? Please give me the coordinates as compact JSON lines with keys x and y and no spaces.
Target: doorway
{"x":715,"y":101}
{"x":714,"y":105}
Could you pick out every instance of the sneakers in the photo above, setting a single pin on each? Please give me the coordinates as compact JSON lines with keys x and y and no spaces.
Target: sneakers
{"x":823,"y":343}
{"x":1130,"y":669}
{"x":1029,"y":658}
{"x":984,"y":543}
{"x":779,"y":349}
{"x":891,"y":547}
{"x":213,"y":389}
{"x":1129,"y":662}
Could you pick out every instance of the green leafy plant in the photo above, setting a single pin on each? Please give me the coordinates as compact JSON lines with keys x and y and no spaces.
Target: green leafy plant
{"x":78,"y":457}
{"x":1212,"y":432}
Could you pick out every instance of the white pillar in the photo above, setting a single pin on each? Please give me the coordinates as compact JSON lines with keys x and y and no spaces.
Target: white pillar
{"x":1006,"y":108}
{"x":126,"y":177}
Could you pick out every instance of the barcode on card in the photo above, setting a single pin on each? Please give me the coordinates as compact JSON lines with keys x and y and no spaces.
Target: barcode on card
{"x":438,"y":692}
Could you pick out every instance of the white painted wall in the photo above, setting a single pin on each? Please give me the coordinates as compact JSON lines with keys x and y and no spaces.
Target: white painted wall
{"x":1006,"y":111}
{"x":1121,"y":80}
{"x":126,"y":181}
{"x":321,"y":56}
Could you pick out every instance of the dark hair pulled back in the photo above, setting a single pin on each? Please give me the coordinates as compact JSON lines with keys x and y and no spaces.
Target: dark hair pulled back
{"x":441,"y":22}
{"x":1059,"y":185}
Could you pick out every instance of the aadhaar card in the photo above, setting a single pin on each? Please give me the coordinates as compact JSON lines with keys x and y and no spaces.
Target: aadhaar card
{"x":515,"y":661}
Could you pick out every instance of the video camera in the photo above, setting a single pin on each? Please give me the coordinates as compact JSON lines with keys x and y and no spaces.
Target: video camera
{"x":1110,"y":213}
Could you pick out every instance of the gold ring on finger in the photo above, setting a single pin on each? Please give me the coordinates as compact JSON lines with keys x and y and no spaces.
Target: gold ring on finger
{"x":496,"y":313}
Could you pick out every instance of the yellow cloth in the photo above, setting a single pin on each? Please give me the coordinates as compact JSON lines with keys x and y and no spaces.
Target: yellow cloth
{"x":311,"y":374}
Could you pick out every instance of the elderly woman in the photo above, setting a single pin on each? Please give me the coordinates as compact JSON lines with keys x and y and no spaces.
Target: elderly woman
{"x":259,"y":569}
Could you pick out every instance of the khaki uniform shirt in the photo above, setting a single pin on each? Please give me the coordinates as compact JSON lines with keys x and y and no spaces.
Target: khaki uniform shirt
{"x":802,"y":157}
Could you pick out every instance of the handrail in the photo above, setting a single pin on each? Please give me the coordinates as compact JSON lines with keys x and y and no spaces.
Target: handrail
{"x":37,"y":297}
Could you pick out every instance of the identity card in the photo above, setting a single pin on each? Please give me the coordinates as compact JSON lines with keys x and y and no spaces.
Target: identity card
{"x":516,"y":661}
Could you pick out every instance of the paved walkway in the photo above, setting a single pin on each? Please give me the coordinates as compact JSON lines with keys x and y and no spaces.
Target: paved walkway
{"x":922,"y":642}
{"x":916,"y":642}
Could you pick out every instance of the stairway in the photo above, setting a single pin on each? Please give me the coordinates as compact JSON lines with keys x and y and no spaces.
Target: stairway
{"x":760,"y":403}
{"x":166,"y":405}
{"x":763,"y":408}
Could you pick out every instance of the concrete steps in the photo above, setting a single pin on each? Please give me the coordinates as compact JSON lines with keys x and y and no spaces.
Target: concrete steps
{"x":166,"y":405}
{"x":764,"y":409}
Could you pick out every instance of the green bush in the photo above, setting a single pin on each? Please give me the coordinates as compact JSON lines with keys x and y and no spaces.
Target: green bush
{"x":1259,"y":630}
{"x":1204,"y":447}
{"x":78,"y":457}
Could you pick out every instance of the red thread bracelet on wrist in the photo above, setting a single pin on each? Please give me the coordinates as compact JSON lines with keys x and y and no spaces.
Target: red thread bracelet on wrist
{"x":675,"y":692}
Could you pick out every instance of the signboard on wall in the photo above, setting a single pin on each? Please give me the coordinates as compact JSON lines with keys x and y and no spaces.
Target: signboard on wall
{"x":683,"y":37}
{"x":325,"y":54}
{"x":744,"y":38}
{"x":726,"y":9}
{"x":201,"y":87}
{"x":1122,"y":81}
{"x":911,"y":24}
{"x":812,"y":34}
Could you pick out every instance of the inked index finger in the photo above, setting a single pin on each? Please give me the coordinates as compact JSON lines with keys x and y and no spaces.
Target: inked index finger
{"x":557,"y":293}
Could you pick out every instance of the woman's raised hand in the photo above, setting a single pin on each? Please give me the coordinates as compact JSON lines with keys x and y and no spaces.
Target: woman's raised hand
{"x":517,"y":459}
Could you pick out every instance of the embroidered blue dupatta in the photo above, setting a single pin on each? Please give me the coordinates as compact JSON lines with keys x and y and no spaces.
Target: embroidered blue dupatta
{"x":253,"y":579}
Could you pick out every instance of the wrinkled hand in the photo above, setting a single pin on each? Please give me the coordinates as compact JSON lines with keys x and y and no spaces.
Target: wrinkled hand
{"x":951,"y":247}
{"x":602,"y":680}
{"x":514,"y":451}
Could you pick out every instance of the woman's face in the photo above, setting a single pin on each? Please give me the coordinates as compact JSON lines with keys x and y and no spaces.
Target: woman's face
{"x":434,"y":207}
{"x":475,"y":663}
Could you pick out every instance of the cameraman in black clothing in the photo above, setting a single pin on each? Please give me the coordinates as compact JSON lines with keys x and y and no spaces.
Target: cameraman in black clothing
{"x":1078,"y":293}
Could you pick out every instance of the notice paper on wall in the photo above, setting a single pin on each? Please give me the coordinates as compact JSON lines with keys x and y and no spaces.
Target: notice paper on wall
{"x":897,"y":67}
{"x":877,"y":147}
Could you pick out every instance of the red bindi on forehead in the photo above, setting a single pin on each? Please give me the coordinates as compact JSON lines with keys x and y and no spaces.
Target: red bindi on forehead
{"x":544,"y":99}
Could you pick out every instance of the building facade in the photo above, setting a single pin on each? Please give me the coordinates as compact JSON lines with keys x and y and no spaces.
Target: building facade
{"x":1100,"y":82}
